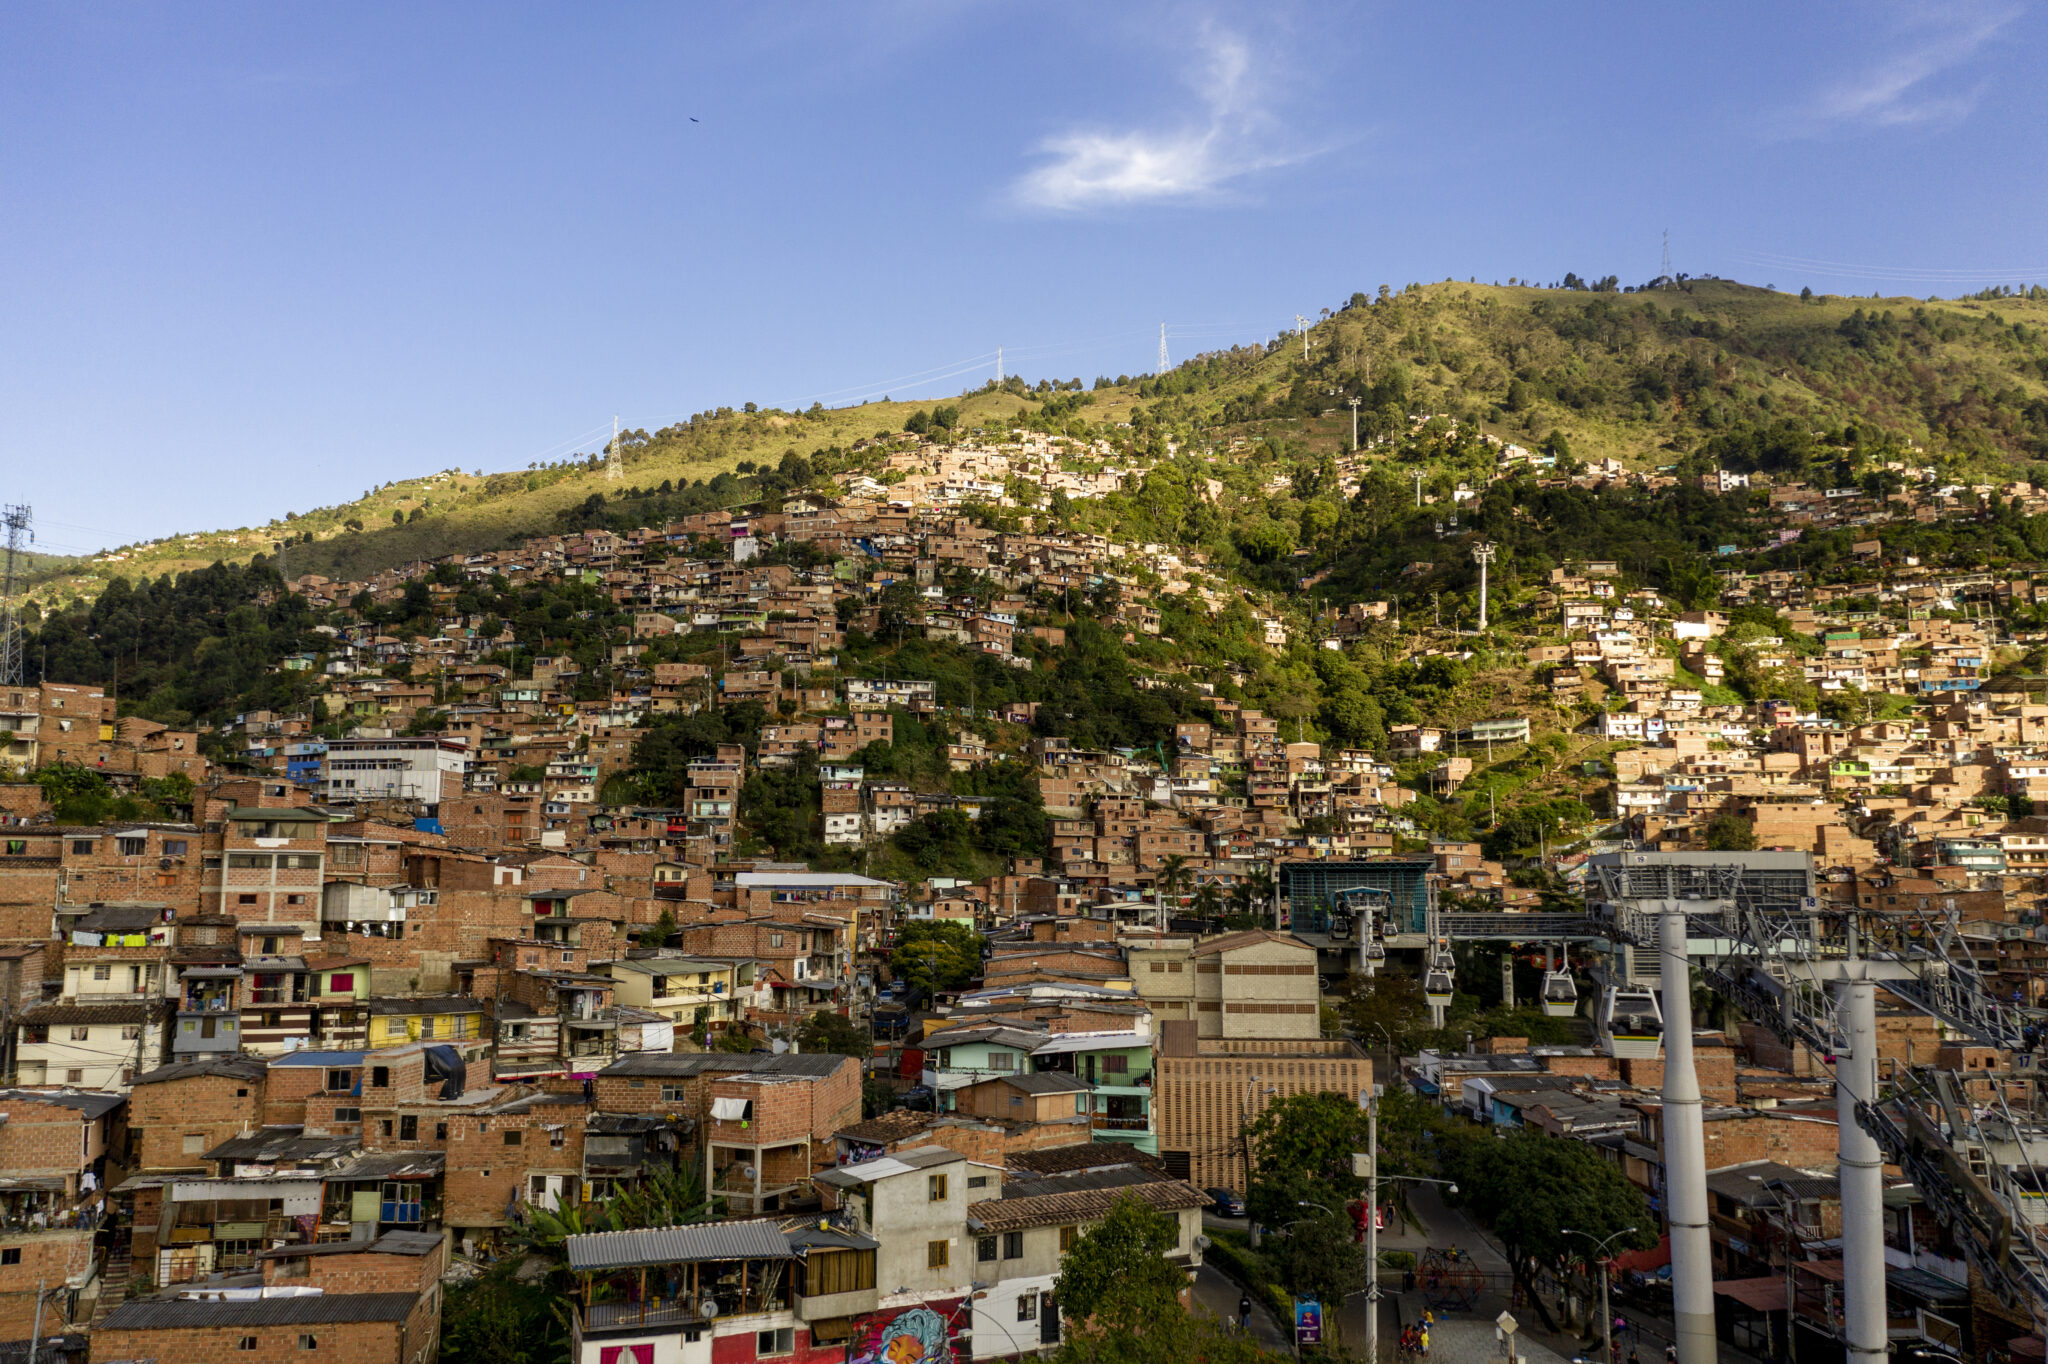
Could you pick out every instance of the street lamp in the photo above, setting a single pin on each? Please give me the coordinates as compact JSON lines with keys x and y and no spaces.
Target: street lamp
{"x":1244,"y":1122}
{"x":1600,"y":1249}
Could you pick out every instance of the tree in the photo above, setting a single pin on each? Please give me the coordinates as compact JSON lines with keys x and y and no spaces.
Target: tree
{"x":1117,"y":1276}
{"x":1301,"y":1142}
{"x":1730,"y":832}
{"x":1319,"y":1257}
{"x":825,"y":1031}
{"x":935,"y":956}
{"x":663,"y":931}
{"x":1529,"y":1187}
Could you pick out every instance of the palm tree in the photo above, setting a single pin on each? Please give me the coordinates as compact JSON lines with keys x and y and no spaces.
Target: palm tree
{"x":1172,"y":873}
{"x":1208,"y":901}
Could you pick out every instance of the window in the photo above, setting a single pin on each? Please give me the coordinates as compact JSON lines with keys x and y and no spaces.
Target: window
{"x":380,"y":1077}
{"x":131,"y":847}
{"x":1068,"y":1235}
{"x":348,"y":1115}
{"x":174,"y":847}
{"x":80,"y":1034}
{"x":1116,"y":1065}
{"x":440,"y":1131}
{"x":81,"y":847}
{"x":977,"y":1181}
{"x":102,"y":971}
{"x":340,"y":1081}
{"x":131,"y":1032}
{"x":1013,"y":1245}
{"x":985,"y":1248}
{"x":10,"y":1256}
{"x":385,"y":1127}
{"x":935,"y":1254}
{"x":775,"y":940}
{"x":246,"y":1343}
{"x":245,"y":899}
{"x":514,"y":1138}
{"x":558,"y":1137}
{"x":935,"y":1188}
{"x":781,"y":1341}
{"x":1027,"y":1306}
{"x":1001,"y":1060}
{"x":309,"y":1343}
{"x":409,"y":1128}
{"x":74,"y":1076}
{"x":839,"y":1271}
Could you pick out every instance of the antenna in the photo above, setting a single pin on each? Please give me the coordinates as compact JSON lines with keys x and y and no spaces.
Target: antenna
{"x":19,"y":537}
{"x":1667,"y":253}
{"x":1162,"y":348}
{"x":1301,"y":327}
{"x":999,"y":364}
{"x":614,"y":469}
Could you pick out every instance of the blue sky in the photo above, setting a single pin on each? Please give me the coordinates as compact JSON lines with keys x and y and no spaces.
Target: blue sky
{"x":256,"y":258}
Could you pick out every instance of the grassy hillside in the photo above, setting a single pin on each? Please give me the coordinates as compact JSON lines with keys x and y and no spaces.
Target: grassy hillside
{"x":1702,"y":369}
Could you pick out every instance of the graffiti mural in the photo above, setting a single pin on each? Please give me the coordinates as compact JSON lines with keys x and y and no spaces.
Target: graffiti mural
{"x":917,"y":1335}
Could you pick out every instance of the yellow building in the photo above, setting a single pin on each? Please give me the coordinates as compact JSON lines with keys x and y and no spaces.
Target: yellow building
{"x":437,"y":1018}
{"x":677,"y":987}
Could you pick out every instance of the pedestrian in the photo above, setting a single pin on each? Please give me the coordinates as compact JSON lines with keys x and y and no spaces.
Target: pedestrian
{"x":1671,"y":1353}
{"x":1244,"y":1310}
{"x":1425,"y":1342}
{"x":1633,"y":1358}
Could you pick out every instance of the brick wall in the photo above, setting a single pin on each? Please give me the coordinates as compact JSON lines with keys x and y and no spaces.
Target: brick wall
{"x":485,"y":1173}
{"x":46,"y":1257}
{"x":354,"y":1342}
{"x":1802,"y":1141}
{"x":211,"y":1107}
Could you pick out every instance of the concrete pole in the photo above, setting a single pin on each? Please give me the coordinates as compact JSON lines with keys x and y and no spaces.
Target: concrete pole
{"x":1685,"y":1153}
{"x":1862,"y":1177}
{"x":1372,"y":1226}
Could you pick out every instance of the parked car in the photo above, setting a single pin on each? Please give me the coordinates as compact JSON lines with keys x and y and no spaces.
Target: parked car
{"x":1225,"y":1203}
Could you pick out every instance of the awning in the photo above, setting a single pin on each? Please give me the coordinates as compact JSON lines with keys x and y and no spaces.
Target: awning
{"x":1643,"y":1261}
{"x":1766,"y":1294}
{"x":732,"y":1110}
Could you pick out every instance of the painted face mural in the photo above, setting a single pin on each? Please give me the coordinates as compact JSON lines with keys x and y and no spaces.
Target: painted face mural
{"x":917,"y":1336}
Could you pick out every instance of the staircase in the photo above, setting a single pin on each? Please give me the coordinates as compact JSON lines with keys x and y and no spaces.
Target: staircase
{"x":114,"y":1281}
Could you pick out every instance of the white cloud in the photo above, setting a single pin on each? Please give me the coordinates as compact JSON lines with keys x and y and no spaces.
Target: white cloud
{"x":1904,"y":88}
{"x":1233,"y":138}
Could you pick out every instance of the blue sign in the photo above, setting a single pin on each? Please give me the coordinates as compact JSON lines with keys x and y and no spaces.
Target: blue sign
{"x":1308,"y":1322}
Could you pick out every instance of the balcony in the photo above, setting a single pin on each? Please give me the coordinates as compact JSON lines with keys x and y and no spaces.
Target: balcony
{"x":1104,"y":1123}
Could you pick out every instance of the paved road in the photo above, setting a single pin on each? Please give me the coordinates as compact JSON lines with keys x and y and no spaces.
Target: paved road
{"x":1217,"y":1294}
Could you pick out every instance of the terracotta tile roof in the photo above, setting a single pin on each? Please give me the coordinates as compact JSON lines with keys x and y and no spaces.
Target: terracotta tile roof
{"x":1085,"y":1205}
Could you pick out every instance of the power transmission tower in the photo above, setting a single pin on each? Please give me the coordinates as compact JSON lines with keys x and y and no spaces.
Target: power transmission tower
{"x":1162,"y":348}
{"x":19,"y":537}
{"x":614,"y":467}
{"x":1301,"y":327}
{"x":1418,"y":487}
{"x":1667,"y":253}
{"x":1482,"y":554}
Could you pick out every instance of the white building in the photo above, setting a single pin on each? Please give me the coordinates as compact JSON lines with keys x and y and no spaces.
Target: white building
{"x":422,"y":768}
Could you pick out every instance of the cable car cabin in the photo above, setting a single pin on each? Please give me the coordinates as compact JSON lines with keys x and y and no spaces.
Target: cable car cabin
{"x":1632,"y":1028}
{"x":1375,"y":950}
{"x":1442,"y":959}
{"x":1560,"y":996}
{"x":1437,"y":989}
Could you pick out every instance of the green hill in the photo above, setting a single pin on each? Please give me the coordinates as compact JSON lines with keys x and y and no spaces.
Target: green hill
{"x":1704,"y":370}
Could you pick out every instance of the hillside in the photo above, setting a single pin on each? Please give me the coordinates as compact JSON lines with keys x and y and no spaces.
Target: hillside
{"x":1703,"y":368}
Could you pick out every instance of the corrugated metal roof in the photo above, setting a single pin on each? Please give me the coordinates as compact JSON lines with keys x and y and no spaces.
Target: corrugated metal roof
{"x":151,"y":1315}
{"x":757,"y":1240}
{"x":669,"y":1063}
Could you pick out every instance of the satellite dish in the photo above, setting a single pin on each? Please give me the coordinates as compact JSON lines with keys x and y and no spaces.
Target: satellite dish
{"x":708,"y":1309}
{"x":1203,"y":1243}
